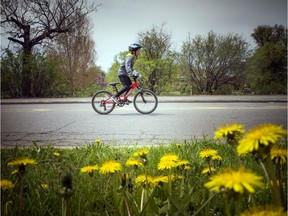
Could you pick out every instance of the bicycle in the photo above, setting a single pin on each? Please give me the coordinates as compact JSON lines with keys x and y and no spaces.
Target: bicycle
{"x":145,"y":101}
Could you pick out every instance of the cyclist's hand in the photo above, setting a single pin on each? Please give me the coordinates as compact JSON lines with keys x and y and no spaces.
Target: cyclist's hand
{"x":136,"y":75}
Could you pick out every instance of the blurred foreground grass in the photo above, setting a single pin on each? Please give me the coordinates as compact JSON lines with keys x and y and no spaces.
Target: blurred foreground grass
{"x":157,"y":180}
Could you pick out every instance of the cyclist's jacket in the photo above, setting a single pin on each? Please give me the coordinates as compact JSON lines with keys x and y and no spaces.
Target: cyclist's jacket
{"x":126,"y":67}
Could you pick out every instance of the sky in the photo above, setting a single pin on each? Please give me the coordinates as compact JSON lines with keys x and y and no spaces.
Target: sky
{"x":117,"y":23}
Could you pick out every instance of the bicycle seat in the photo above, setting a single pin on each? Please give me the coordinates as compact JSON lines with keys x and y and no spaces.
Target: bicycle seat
{"x":114,"y":83}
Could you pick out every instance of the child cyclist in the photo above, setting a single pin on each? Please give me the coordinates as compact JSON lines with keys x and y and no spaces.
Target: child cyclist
{"x":126,"y":69}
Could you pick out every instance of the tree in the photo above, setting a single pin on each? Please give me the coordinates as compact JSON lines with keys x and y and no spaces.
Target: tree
{"x":265,"y":33}
{"x":43,"y":73}
{"x":266,"y":70}
{"x":75,"y":55}
{"x":211,"y":62}
{"x":156,"y":61}
{"x":31,"y":22}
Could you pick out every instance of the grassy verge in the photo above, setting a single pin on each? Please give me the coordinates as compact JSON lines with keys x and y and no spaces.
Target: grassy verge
{"x":80,"y":182}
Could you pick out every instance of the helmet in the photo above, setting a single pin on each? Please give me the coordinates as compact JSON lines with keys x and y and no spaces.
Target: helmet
{"x":134,"y":46}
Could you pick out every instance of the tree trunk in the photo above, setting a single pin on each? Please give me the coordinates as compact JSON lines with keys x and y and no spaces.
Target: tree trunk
{"x":26,"y":67}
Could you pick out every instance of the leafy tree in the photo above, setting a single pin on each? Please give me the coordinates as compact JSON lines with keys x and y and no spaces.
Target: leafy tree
{"x":43,"y":75}
{"x":157,"y":62}
{"x":211,"y":62}
{"x":266,"y":70}
{"x":265,"y":33}
{"x":31,"y":22}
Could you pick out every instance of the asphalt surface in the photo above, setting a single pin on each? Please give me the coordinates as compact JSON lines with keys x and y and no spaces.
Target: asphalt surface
{"x":72,"y":122}
{"x":162,"y":99}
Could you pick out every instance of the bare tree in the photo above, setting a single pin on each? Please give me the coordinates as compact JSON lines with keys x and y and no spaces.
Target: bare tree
{"x":74,"y":53}
{"x":30,"y":22}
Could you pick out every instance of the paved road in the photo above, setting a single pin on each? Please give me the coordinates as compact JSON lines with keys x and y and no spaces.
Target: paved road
{"x":74,"y":124}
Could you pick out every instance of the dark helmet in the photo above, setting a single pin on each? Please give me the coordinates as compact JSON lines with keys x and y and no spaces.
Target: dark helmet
{"x":134,"y":46}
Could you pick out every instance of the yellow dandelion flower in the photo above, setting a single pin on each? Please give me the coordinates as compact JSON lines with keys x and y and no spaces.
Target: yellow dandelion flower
{"x":22,"y":161}
{"x":263,"y":135}
{"x":186,"y":167}
{"x":167,"y":164}
{"x":134,"y":162}
{"x":160,"y":180}
{"x":110,"y":167}
{"x":142,"y":153}
{"x":169,"y":156}
{"x":231,"y":132}
{"x":97,"y":141}
{"x":5,"y":184}
{"x":45,"y":186}
{"x":144,"y":180}
{"x":89,"y":169}
{"x":15,"y":172}
{"x":236,"y":181}
{"x":182,"y":162}
{"x":217,"y":158}
{"x":278,"y":155}
{"x":265,"y":210}
{"x":57,"y":154}
{"x":208,"y":170}
{"x":208,"y":153}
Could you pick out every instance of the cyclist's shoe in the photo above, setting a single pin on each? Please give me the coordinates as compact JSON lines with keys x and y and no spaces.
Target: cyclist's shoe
{"x":114,"y":98}
{"x":128,"y":101}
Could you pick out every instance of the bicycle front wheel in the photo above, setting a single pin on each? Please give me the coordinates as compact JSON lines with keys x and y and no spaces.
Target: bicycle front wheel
{"x":145,"y":101}
{"x":102,"y":102}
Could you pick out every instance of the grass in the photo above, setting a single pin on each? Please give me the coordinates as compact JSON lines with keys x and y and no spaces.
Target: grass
{"x":47,"y":185}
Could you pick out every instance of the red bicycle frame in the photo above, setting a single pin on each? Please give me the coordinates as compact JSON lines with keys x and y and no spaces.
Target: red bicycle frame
{"x":132,"y":87}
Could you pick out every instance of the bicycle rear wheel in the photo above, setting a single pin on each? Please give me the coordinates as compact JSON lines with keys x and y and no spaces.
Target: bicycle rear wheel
{"x":102,"y":102}
{"x":145,"y":101}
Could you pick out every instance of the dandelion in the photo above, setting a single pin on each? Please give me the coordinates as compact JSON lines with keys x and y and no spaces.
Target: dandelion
{"x":182,"y":162}
{"x":265,"y":210}
{"x":97,"y":141}
{"x":170,"y":156}
{"x":15,"y":172}
{"x":208,"y":170}
{"x":110,"y":167}
{"x":278,"y":155}
{"x":89,"y":169}
{"x":160,"y":180}
{"x":134,"y":162}
{"x":57,"y":154}
{"x":231,"y":132}
{"x":236,"y":181}
{"x":22,"y":162}
{"x":44,"y":186}
{"x":217,"y":158}
{"x":142,"y":153}
{"x":208,"y":153}
{"x":259,"y":138}
{"x":168,"y":161}
{"x":6,"y":184}
{"x":144,"y":180}
{"x":166,"y":164}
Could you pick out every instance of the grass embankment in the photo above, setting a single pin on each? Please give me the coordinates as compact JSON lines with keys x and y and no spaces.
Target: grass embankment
{"x":198,"y":177}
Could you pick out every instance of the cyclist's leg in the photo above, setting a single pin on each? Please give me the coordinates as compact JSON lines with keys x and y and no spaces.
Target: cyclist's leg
{"x":126,"y":82}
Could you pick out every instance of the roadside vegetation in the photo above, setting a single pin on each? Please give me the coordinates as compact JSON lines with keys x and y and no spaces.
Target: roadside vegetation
{"x":237,"y":173}
{"x":52,"y":55}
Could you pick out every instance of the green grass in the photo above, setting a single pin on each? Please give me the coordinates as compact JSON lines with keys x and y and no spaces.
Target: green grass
{"x":103,"y":194}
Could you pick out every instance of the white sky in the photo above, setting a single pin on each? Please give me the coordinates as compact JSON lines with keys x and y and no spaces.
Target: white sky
{"x":118,"y":22}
